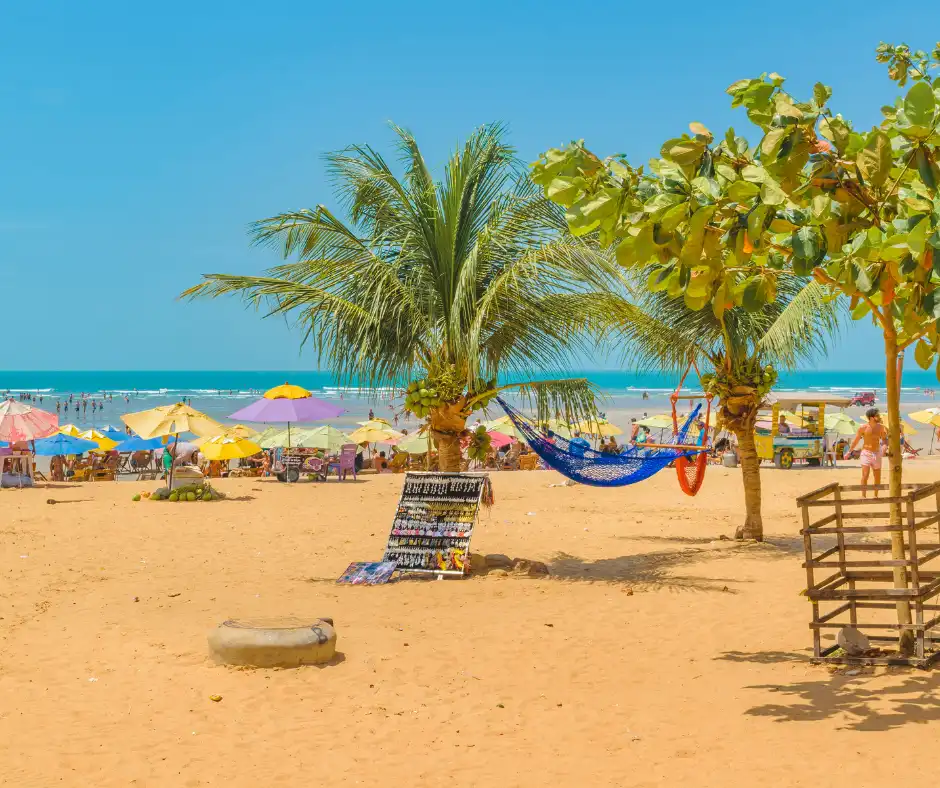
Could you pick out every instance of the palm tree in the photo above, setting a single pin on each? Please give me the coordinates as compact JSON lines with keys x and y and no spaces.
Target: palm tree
{"x":455,"y":282}
{"x":742,"y":352}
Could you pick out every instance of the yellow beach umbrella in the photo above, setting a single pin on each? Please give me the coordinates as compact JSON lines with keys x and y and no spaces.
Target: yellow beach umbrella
{"x":103,"y":441}
{"x":287,"y":391}
{"x":376,"y":423}
{"x":599,"y":427}
{"x":167,"y":420}
{"x":791,"y":417}
{"x":241,"y":431}
{"x":660,"y":422}
{"x":374,"y":435}
{"x":928,"y":416}
{"x":172,"y":420}
{"x":228,"y":447}
{"x":69,"y":429}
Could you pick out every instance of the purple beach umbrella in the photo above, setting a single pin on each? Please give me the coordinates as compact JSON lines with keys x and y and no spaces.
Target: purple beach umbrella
{"x":279,"y":411}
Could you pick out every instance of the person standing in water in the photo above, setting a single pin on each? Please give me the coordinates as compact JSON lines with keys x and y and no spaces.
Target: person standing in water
{"x":872,"y":437}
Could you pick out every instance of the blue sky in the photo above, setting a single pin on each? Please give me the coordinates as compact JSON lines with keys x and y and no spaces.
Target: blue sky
{"x":139,"y":140}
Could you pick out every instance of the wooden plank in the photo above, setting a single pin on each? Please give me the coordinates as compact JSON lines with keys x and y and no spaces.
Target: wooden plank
{"x":858,"y":529}
{"x":862,"y":502}
{"x":829,"y":518}
{"x":815,"y":494}
{"x":838,"y":625}
{"x":827,"y":553}
{"x":871,"y":562}
{"x":833,"y":613}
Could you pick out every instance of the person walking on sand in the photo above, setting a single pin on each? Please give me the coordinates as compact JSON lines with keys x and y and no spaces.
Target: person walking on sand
{"x":872,"y":437}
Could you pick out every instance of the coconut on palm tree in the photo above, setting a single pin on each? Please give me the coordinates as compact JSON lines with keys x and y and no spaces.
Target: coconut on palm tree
{"x":441,"y":286}
{"x":741,"y":352}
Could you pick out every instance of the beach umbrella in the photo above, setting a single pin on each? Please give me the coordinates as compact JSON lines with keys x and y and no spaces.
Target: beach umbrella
{"x":906,"y":427}
{"x":928,"y":416}
{"x":660,"y":422}
{"x":62,"y":444}
{"x":228,"y":447}
{"x":22,"y":422}
{"x":598,"y":427}
{"x":171,"y":420}
{"x":69,"y":429}
{"x":287,"y":391}
{"x":499,"y":439}
{"x":109,"y":432}
{"x":289,"y":411}
{"x":374,"y":435}
{"x":136,"y":443}
{"x":413,"y":444}
{"x":326,"y":438}
{"x":273,"y":438}
{"x":242,"y":431}
{"x":840,"y":424}
{"x":104,"y":442}
{"x":167,"y":420}
{"x":375,"y":423}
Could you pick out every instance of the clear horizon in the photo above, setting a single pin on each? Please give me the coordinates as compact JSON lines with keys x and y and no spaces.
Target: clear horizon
{"x":139,"y":149}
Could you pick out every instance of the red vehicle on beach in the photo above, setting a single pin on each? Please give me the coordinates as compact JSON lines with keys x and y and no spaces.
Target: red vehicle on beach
{"x":863,"y":398}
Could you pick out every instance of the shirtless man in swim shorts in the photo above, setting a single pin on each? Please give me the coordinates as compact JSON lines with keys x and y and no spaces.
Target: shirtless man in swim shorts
{"x":872,"y":436}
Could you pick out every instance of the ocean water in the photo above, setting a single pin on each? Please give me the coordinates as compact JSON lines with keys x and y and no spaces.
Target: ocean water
{"x":220,"y":393}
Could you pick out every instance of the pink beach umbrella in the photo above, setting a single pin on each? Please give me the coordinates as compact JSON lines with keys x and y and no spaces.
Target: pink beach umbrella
{"x":498,"y":439}
{"x":22,"y":422}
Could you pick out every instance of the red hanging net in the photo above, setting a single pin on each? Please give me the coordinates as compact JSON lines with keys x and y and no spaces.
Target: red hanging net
{"x":691,"y":470}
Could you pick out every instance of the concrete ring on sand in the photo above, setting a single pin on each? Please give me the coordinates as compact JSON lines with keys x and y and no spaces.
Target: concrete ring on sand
{"x":273,"y":643}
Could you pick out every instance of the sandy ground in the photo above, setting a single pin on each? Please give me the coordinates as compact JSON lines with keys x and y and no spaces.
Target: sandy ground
{"x":698,"y":677}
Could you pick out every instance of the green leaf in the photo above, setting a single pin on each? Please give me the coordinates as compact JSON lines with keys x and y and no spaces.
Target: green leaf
{"x":874,"y":160}
{"x":931,"y":304}
{"x":563,"y":191}
{"x":806,"y":244}
{"x":771,"y":193}
{"x":742,"y":191}
{"x":674,"y":216}
{"x":925,"y":166}
{"x":919,"y":105}
{"x":658,"y":280}
{"x":751,"y":298}
{"x":923,"y":353}
{"x":707,"y":187}
{"x":695,"y":240}
{"x":821,"y":94}
{"x":754,"y":174}
{"x":686,"y":151}
{"x":701,"y":131}
{"x":770,"y":145}
{"x":835,"y":130}
{"x":862,"y":279}
{"x":861,"y":309}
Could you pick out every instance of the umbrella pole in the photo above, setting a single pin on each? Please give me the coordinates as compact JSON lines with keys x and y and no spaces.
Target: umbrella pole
{"x":169,"y":481}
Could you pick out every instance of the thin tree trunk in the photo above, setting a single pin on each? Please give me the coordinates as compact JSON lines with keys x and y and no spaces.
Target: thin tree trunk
{"x":753,"y":527}
{"x":906,"y":637}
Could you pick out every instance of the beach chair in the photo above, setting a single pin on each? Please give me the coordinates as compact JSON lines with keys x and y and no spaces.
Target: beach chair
{"x":346,"y":462}
{"x":528,"y":462}
{"x":399,"y":462}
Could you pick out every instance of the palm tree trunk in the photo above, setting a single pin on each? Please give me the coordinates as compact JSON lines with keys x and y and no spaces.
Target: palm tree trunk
{"x":448,"y":423}
{"x":753,"y":527}
{"x":906,"y":636}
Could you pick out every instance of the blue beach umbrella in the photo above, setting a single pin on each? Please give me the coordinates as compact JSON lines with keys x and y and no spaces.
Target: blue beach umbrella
{"x":113,"y":434}
{"x":63,"y":444}
{"x":136,"y":443}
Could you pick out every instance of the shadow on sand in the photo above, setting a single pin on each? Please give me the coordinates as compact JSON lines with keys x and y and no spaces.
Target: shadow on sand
{"x":864,"y":702}
{"x":651,"y":570}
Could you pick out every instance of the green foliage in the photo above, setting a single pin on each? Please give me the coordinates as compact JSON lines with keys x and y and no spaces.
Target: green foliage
{"x":455,"y":281}
{"x":479,"y":446}
{"x":722,"y":225}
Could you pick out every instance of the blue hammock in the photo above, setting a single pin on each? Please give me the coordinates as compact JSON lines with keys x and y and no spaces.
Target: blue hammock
{"x":587,"y":466}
